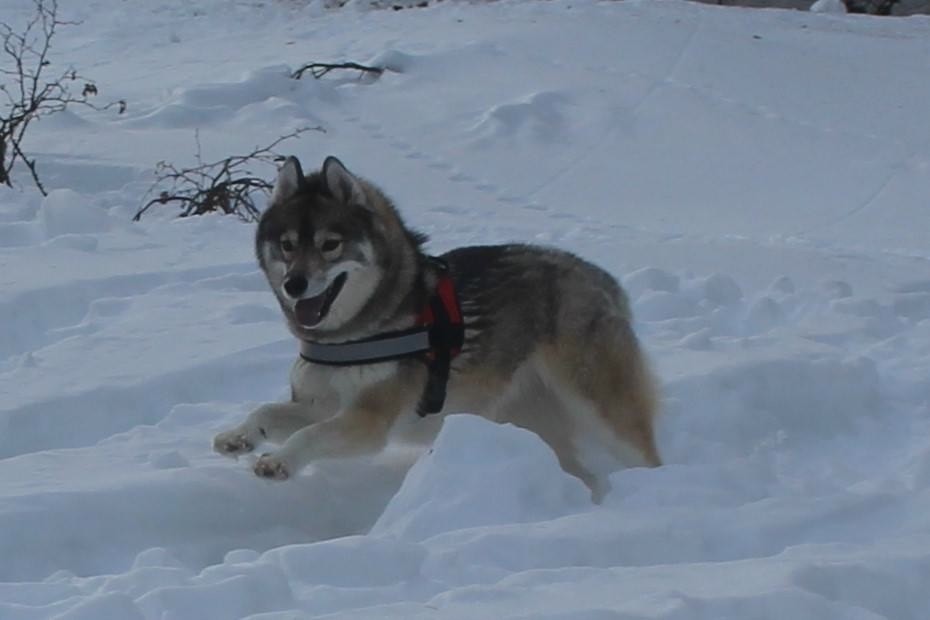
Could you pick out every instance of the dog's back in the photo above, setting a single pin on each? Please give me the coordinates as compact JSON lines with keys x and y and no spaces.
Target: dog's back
{"x":549,"y":347}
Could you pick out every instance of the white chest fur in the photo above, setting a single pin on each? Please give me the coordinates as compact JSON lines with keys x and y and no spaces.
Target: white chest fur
{"x":342,"y":383}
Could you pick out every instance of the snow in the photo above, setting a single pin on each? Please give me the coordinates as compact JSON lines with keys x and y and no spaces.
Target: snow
{"x":756,"y":179}
{"x":829,"y":6}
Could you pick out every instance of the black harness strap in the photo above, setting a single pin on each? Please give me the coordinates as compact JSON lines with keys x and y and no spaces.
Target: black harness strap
{"x":447,"y":335}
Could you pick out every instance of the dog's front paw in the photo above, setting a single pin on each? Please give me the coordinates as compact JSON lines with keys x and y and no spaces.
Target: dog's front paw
{"x":232,"y":443}
{"x":271,"y":468}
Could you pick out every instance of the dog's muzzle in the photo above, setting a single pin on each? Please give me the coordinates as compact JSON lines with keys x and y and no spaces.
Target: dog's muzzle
{"x":310,"y":311}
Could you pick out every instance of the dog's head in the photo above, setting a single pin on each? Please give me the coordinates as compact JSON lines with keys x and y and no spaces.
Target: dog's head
{"x":329,"y":243}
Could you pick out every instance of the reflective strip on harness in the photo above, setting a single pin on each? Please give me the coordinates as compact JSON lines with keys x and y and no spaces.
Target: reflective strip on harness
{"x":367,"y":351}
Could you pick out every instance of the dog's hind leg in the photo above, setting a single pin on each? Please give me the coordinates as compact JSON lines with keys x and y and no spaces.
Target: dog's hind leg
{"x":608,"y":375}
{"x":530,"y":403}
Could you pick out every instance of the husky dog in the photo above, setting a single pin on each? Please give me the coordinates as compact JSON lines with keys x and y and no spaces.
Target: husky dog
{"x":545,"y":339}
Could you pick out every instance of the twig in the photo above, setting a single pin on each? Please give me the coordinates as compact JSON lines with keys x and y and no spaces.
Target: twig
{"x":319,"y":69}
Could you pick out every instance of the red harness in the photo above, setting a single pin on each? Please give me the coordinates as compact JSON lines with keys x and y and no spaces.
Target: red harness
{"x":449,"y":316}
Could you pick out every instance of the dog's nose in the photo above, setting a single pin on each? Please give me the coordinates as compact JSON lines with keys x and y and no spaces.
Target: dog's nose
{"x":295,"y":286}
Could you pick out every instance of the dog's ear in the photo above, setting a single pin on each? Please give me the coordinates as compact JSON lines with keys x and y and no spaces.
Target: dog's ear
{"x":290,"y":180}
{"x":341,"y":183}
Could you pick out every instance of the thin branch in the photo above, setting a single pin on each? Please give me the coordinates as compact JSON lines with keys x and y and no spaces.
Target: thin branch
{"x":319,"y":69}
{"x":225,"y":185}
{"x":30,"y":164}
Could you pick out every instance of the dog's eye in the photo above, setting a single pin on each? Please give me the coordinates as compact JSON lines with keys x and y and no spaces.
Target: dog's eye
{"x":287,"y":245}
{"x":331,"y":245}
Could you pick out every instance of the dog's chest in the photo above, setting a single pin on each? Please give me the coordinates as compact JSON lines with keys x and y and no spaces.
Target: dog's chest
{"x":309,"y":381}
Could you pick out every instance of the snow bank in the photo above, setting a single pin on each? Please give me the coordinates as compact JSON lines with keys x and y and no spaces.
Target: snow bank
{"x":478,"y":474}
{"x":65,"y":212}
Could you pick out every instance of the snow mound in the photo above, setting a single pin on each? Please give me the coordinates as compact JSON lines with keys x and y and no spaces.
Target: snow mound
{"x":480,"y":473}
{"x":741,"y":406}
{"x":111,"y":605}
{"x":650,"y":279}
{"x":352,"y":561}
{"x":540,"y":116}
{"x":837,"y":7}
{"x":261,"y":96}
{"x":66,"y":212}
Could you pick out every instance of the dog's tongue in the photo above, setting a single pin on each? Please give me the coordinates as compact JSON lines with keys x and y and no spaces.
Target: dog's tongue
{"x":309,"y":311}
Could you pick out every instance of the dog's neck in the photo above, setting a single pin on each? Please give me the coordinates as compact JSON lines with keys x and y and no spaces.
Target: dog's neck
{"x":436,"y":337}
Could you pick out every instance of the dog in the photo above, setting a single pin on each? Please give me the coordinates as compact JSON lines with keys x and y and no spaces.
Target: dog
{"x":519,"y":334}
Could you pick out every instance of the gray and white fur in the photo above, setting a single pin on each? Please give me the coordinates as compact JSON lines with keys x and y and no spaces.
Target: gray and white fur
{"x":548,"y":344}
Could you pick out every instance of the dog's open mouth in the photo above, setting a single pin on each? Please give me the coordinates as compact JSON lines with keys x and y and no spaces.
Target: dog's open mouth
{"x":312,"y":310}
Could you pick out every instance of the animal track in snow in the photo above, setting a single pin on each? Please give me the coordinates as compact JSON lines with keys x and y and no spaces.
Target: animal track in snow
{"x":455,"y":175}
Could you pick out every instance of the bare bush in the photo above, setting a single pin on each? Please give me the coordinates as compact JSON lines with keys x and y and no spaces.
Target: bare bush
{"x":31,"y":89}
{"x":227,"y":186}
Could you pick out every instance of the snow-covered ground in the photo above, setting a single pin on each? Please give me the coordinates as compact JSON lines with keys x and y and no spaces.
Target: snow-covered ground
{"x":759,"y":180}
